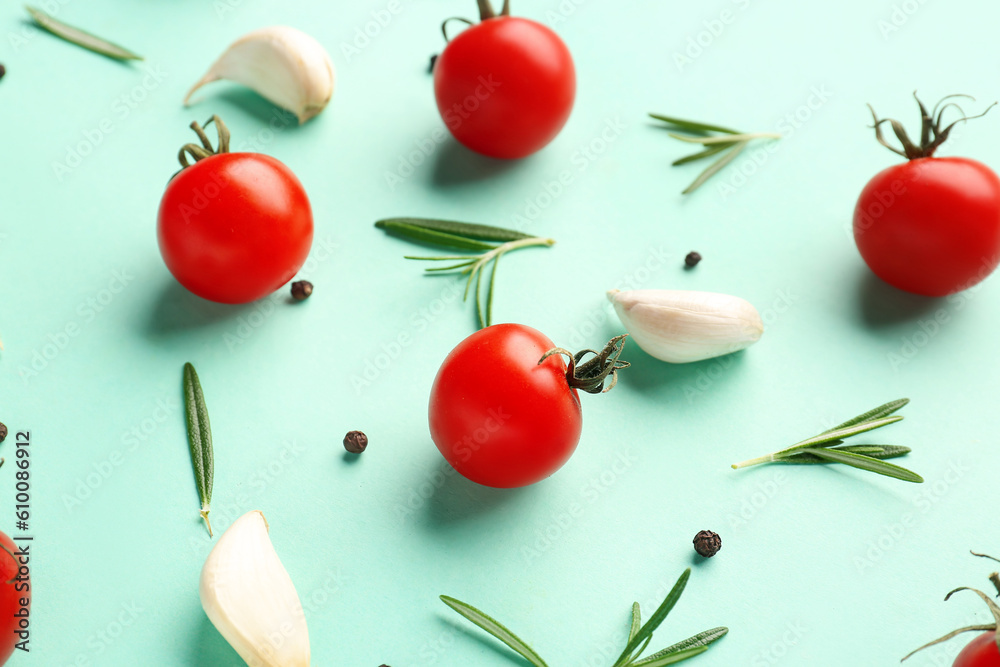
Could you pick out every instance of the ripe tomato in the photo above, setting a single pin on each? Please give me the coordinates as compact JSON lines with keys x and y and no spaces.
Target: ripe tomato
{"x":930,"y":226}
{"x":980,"y":652}
{"x":234,"y":227}
{"x":503,"y":419}
{"x":10,"y":600}
{"x":505,"y":86}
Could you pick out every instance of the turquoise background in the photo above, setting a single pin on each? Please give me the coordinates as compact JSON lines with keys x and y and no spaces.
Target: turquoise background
{"x":820,"y":566}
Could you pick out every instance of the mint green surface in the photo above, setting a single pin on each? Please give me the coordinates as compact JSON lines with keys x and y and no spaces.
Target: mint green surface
{"x":820,"y":566}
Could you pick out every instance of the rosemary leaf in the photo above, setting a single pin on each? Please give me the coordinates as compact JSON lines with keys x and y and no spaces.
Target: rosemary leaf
{"x":465,"y":229}
{"x":636,"y":621}
{"x":673,"y":658}
{"x":840,"y":434}
{"x":658,"y":616}
{"x":489,"y":290}
{"x":432,"y":236}
{"x":873,"y":451}
{"x":200,"y":439}
{"x":715,"y":167}
{"x":876,"y":413}
{"x":80,"y":37}
{"x":701,"y":155}
{"x":701,"y":639}
{"x":496,"y":629}
{"x":692,"y":125}
{"x":866,"y":463}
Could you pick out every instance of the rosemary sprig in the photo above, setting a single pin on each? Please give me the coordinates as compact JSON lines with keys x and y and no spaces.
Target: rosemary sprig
{"x":639,"y":635}
{"x":731,"y":143}
{"x":200,"y":439}
{"x":488,"y":243}
{"x":828,"y":447}
{"x":80,"y":37}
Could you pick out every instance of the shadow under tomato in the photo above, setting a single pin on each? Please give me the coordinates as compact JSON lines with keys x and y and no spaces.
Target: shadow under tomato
{"x":454,"y":164}
{"x":882,"y":305}
{"x":176,"y":310}
{"x":209,"y":648}
{"x":452,"y":499}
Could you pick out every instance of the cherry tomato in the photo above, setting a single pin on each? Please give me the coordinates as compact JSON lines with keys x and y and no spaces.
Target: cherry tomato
{"x":931,"y":225}
{"x":980,"y":652}
{"x":234,"y":227}
{"x":498,"y":416}
{"x":10,"y":600}
{"x":505,"y":86}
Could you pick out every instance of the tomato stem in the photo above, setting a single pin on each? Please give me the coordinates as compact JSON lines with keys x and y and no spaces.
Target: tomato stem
{"x":589,"y":376}
{"x":205,"y":149}
{"x":932,"y":135}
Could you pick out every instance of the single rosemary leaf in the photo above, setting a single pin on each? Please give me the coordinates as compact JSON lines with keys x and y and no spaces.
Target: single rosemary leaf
{"x":636,"y":621}
{"x":873,"y":451}
{"x":866,"y":463}
{"x":730,"y":139}
{"x":453,"y":267}
{"x":646,"y":631}
{"x":432,"y":237}
{"x":873,"y":414}
{"x":840,"y":434}
{"x":80,"y":37}
{"x":479,"y":305}
{"x":715,"y":167}
{"x":692,"y":125}
{"x":496,"y":629}
{"x":673,"y":658}
{"x":489,"y":291}
{"x":466,"y":229}
{"x":705,"y":639}
{"x":701,"y":155}
{"x":199,"y":439}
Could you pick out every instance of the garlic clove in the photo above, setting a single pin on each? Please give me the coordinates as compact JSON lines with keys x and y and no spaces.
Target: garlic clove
{"x":684,"y":326}
{"x":284,"y":65}
{"x":250,"y":599}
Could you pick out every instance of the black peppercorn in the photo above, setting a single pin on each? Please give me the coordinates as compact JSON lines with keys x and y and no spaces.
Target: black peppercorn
{"x":355,"y":442}
{"x":3,"y":70}
{"x":431,"y":70}
{"x":692,"y":259}
{"x":707,"y":543}
{"x":301,"y":289}
{"x":3,"y":432}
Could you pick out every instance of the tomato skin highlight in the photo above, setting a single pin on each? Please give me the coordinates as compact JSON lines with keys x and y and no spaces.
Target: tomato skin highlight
{"x":930,"y":226}
{"x":499,"y":417}
{"x":235,"y":227}
{"x":505,"y":87}
{"x":10,"y":599}
{"x":980,"y":652}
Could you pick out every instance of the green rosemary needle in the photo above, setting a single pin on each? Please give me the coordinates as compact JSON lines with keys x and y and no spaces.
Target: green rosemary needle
{"x":728,"y":142}
{"x":80,"y":37}
{"x":639,"y":636}
{"x":486,"y":245}
{"x":199,"y":439}
{"x":828,"y":447}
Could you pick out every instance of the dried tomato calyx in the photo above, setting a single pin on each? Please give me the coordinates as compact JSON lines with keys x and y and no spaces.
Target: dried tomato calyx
{"x":932,"y":134}
{"x":205,"y":149}
{"x":590,"y":375}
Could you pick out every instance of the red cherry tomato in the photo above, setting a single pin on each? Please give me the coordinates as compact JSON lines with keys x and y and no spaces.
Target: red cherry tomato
{"x":497,"y":415}
{"x":234,"y":227}
{"x":980,"y":652}
{"x":930,"y":226}
{"x":10,"y":599}
{"x":505,"y":87}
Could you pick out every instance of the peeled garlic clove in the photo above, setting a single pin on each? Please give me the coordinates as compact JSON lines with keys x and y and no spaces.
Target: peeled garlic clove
{"x":284,"y":65}
{"x":680,"y":326}
{"x":250,"y":598}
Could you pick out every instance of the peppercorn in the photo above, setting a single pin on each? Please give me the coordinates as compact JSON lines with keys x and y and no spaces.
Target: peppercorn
{"x":3,"y":70}
{"x":430,"y":70}
{"x":301,"y":289}
{"x":3,"y":432}
{"x":707,"y":543}
{"x":355,"y":442}
{"x":692,"y":259}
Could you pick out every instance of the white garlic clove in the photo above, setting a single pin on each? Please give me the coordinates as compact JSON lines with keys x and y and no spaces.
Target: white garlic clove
{"x":250,"y":598}
{"x":284,"y":65}
{"x":683,"y":326}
